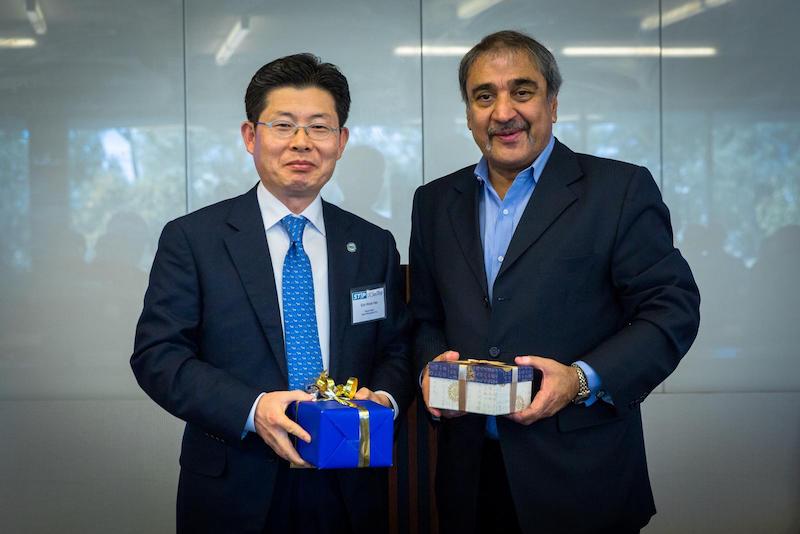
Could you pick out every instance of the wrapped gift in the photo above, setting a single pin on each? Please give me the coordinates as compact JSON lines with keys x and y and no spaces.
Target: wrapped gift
{"x":344,"y":432}
{"x":479,"y":386}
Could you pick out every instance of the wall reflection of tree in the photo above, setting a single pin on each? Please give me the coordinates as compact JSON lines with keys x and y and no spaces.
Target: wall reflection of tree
{"x":360,"y":175}
{"x":771,"y":313}
{"x":722,"y":280}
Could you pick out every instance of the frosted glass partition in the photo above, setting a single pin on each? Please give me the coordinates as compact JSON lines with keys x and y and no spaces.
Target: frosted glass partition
{"x":732,"y":179}
{"x":91,"y":145}
{"x":608,"y":105}
{"x":120,"y":117}
{"x":382,"y":164}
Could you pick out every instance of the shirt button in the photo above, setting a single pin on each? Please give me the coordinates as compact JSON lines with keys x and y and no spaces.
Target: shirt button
{"x":500,"y":259}
{"x":505,"y":212}
{"x":494,"y":352}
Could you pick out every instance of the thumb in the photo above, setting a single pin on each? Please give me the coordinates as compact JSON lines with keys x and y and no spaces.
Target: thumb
{"x":297,"y":395}
{"x":531,"y":361}
{"x":449,"y":356}
{"x":362,"y":394}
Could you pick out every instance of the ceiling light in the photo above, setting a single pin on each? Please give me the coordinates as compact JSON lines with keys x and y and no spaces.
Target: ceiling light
{"x":470,"y":8}
{"x":679,"y":13}
{"x":639,"y":51}
{"x":35,"y":16}
{"x":17,"y":42}
{"x":233,"y":40}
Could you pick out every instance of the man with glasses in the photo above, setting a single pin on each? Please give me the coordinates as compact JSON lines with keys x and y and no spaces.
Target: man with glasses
{"x":251,"y":298}
{"x":542,"y":257}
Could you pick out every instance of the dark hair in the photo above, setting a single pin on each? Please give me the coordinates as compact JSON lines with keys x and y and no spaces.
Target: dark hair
{"x":299,"y":71}
{"x":515,"y":41}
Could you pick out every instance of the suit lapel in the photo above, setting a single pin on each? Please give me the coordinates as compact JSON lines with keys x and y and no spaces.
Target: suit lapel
{"x":550,"y":198}
{"x":464,"y":218}
{"x":250,"y":254}
{"x":342,"y":270}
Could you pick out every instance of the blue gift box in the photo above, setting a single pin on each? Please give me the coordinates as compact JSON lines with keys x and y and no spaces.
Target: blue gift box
{"x":337,"y":437}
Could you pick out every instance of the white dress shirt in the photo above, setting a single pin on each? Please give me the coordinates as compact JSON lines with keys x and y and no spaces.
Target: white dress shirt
{"x":272,"y":211}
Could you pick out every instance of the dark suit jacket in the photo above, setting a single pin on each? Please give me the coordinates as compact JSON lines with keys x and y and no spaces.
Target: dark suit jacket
{"x":591,"y":273}
{"x":210,"y":339}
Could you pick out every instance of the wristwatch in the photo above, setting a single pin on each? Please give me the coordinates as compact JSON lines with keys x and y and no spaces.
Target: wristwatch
{"x":583,"y":385}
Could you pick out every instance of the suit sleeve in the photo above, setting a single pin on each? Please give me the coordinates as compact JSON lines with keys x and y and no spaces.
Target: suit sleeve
{"x":658,"y":296}
{"x":426,"y":304}
{"x":393,"y":372}
{"x":167,"y":358}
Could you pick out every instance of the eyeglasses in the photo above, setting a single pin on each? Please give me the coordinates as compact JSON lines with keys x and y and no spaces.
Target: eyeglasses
{"x":286,"y":129}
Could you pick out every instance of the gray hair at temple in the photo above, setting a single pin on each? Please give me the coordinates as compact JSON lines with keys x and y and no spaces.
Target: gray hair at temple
{"x":512,"y":41}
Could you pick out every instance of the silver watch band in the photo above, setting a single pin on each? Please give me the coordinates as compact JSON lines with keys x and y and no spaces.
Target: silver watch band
{"x":583,"y":385}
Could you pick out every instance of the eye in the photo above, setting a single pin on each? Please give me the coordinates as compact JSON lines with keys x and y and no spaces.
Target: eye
{"x":484,"y":98}
{"x":320,"y":128}
{"x":523,"y":94}
{"x":283,"y":126}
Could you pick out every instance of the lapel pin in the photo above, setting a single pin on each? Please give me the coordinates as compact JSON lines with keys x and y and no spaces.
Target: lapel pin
{"x":351,"y":247}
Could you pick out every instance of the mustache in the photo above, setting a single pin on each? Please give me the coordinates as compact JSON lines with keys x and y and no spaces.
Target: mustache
{"x":509,"y":127}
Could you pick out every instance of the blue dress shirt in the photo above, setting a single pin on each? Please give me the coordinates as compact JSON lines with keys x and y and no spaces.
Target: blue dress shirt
{"x":498,"y":221}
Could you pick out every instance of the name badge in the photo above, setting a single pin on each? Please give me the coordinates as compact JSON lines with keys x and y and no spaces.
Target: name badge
{"x":369,"y":303}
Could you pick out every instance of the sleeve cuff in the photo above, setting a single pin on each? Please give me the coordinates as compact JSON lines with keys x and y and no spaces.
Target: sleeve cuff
{"x":250,"y":425}
{"x":595,"y":385}
{"x":391,"y":399}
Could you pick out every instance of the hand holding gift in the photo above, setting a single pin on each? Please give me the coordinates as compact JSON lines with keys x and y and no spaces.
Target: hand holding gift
{"x":559,"y":387}
{"x":448,"y":356}
{"x":274,"y":427}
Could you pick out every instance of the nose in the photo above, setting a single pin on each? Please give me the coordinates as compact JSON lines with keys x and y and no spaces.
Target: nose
{"x":503,"y":108}
{"x":300,"y":140}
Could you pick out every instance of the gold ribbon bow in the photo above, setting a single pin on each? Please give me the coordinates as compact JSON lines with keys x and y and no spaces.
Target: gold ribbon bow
{"x":343,"y":393}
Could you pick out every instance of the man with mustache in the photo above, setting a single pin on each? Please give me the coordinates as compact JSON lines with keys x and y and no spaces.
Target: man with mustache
{"x":542,"y":257}
{"x":251,"y":298}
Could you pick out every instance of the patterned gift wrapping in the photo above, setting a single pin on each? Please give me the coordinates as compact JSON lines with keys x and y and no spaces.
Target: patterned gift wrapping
{"x":480,"y":386}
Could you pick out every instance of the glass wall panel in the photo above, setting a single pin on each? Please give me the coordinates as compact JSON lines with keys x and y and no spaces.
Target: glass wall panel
{"x":719,"y":466}
{"x":91,"y":166}
{"x":382,"y":164}
{"x":608,"y":104}
{"x":732,"y":180}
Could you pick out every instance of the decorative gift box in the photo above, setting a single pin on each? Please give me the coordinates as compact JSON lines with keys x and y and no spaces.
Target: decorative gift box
{"x":479,"y":386}
{"x":344,"y":433}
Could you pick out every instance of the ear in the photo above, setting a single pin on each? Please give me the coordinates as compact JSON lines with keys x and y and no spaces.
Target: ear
{"x":249,"y":135}
{"x":554,"y":109}
{"x":344,"y":135}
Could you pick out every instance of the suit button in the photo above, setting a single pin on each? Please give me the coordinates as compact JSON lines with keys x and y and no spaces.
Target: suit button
{"x":494,"y":352}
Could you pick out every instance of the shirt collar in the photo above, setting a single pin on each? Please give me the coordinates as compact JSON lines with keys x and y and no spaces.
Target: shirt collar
{"x":534,"y":170}
{"x":273,"y":210}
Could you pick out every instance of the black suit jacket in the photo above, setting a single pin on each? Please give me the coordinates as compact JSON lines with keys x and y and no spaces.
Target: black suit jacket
{"x":210,"y":339}
{"x":591,"y":273}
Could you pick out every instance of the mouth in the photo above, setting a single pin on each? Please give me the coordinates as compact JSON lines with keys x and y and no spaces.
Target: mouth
{"x":300,"y":165}
{"x":508,"y":136}
{"x":508,"y":133}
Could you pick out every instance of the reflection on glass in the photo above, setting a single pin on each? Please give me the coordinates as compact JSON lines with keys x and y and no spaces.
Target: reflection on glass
{"x":732,"y":181}
{"x":384,"y":87}
{"x":92,"y":202}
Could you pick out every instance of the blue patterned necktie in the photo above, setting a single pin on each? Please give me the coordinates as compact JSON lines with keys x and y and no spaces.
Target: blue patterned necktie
{"x":303,"y":355}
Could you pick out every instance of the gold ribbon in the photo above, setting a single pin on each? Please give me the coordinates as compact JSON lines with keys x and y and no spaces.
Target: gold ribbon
{"x":466,"y":373}
{"x":343,"y":393}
